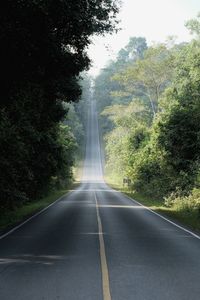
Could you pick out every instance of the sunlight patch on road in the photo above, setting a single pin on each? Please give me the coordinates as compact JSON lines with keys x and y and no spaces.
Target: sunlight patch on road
{"x":92,"y":233}
{"x":96,"y":190}
{"x":122,"y":206}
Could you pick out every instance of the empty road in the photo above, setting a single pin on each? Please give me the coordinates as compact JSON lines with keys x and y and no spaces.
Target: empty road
{"x":97,"y":244}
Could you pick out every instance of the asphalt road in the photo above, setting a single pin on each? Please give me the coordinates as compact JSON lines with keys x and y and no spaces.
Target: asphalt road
{"x":96,"y":244}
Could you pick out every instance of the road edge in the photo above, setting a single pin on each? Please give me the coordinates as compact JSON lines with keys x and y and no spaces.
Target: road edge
{"x":165,"y":218}
{"x":10,"y":231}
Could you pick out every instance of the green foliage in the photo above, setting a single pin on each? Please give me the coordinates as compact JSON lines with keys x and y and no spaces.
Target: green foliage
{"x":179,"y":127}
{"x":194,"y":26}
{"x":31,"y":156}
{"x":186,"y":205}
{"x":170,"y":161}
{"x":19,"y":214}
{"x":146,"y":171}
{"x":148,"y":76}
{"x":129,"y":134}
{"x":129,"y":114}
{"x":73,"y":121}
{"x":161,"y":154}
{"x":133,"y":50}
{"x":45,"y":41}
{"x":116,"y":152}
{"x":107,"y":91}
{"x":76,"y":117}
{"x":104,"y":86}
{"x":43,"y":51}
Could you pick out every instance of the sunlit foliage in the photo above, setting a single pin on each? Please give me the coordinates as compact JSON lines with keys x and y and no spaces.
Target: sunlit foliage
{"x":154,"y":136}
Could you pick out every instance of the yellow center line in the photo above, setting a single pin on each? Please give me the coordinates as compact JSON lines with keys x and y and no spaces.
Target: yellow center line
{"x":104,"y":266}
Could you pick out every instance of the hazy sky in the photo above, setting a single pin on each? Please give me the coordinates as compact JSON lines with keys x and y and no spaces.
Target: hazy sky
{"x":153,"y":19}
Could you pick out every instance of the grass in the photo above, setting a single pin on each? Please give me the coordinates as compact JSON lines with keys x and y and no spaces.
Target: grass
{"x":12,"y":218}
{"x":15,"y":217}
{"x":189,"y":219}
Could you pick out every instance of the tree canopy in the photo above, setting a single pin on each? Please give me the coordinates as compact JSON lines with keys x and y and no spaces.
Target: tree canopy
{"x":43,"y":50}
{"x":151,"y":115}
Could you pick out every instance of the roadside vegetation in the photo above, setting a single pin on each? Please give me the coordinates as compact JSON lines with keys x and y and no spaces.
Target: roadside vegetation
{"x":43,"y":59}
{"x":74,"y":141}
{"x":149,"y":106}
{"x":13,"y":217}
{"x":184,"y":210}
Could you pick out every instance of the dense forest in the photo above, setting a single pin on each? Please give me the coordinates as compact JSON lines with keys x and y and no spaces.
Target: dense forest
{"x":148,"y":100}
{"x":42,"y":55}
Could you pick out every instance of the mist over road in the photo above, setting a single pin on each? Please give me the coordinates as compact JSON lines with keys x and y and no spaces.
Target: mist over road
{"x":96,"y":244}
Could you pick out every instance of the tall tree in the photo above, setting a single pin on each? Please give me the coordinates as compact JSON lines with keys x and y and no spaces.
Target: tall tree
{"x":149,"y":76}
{"x":194,"y":26}
{"x":43,"y":50}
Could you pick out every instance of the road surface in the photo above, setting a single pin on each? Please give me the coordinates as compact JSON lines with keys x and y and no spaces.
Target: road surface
{"x":96,"y":244}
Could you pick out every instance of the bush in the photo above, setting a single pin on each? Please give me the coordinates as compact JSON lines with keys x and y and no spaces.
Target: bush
{"x":185,"y":204}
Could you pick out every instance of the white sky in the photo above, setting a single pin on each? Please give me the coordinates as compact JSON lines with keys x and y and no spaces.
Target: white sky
{"x":153,"y":19}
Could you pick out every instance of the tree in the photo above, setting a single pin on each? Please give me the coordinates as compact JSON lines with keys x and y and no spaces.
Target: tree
{"x":43,"y":51}
{"x":179,"y":128}
{"x":148,"y":77}
{"x":128,"y":135}
{"x":136,"y":47}
{"x":45,"y":42}
{"x":133,"y":50}
{"x":194,"y":26}
{"x":108,"y":91}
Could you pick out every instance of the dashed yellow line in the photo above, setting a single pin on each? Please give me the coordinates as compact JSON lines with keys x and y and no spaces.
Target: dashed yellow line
{"x":104,"y":266}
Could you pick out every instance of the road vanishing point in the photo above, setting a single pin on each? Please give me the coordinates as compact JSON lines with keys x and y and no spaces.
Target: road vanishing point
{"x":97,"y":244}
